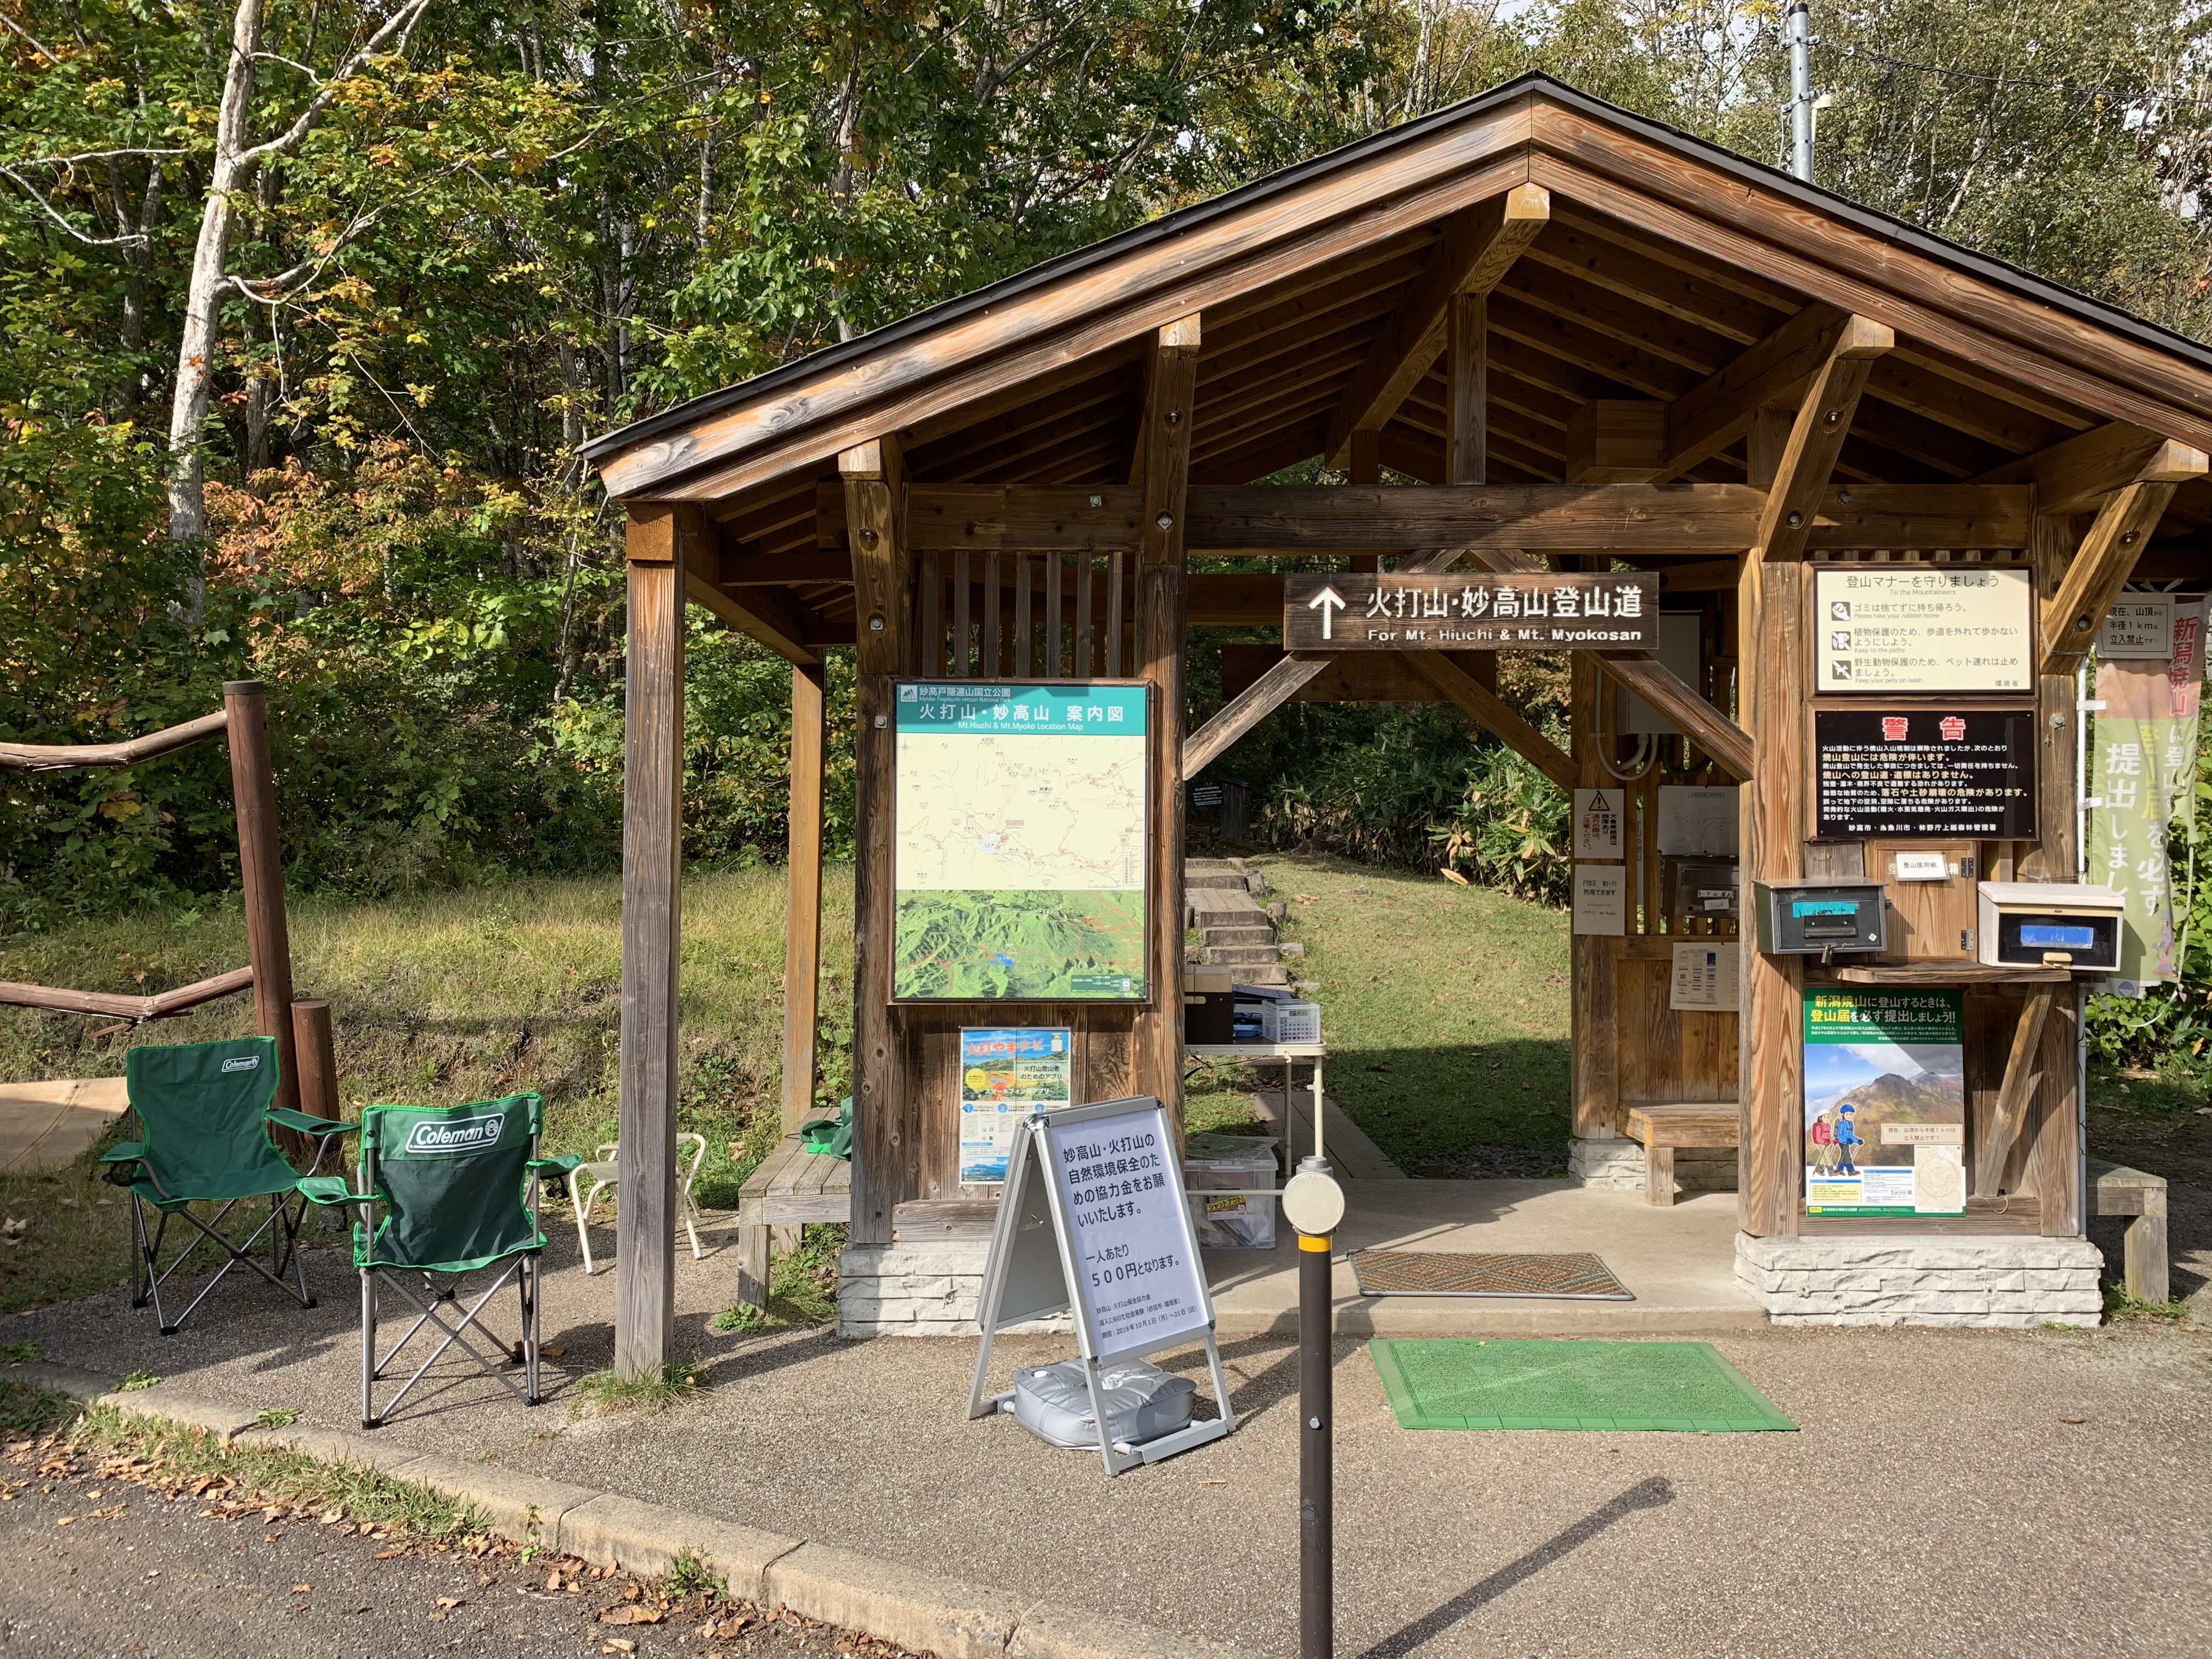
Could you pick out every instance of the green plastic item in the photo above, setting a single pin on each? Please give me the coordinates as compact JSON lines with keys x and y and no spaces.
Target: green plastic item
{"x":831,"y":1136}
{"x":1681,"y":1387}
{"x":453,"y":1182}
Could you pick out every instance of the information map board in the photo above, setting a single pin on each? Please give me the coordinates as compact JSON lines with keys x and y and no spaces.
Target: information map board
{"x":1019,"y":864}
{"x":1938,"y":772}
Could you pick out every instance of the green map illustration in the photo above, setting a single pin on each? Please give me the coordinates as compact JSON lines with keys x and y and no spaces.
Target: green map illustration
{"x":1046,"y":946}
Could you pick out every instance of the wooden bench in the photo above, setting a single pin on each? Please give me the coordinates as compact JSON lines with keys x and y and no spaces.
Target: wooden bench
{"x":791,"y":1188}
{"x":2132,"y":1192}
{"x":1663,"y":1126}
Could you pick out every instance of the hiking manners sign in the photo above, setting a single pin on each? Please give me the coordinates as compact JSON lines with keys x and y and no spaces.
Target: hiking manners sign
{"x":1471,"y":611}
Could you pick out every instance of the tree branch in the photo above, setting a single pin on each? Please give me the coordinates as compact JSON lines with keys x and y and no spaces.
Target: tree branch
{"x":26,"y":34}
{"x":55,"y":214}
{"x":397,"y":29}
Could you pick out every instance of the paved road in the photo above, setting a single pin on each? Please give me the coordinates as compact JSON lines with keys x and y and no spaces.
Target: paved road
{"x":91,"y":1567}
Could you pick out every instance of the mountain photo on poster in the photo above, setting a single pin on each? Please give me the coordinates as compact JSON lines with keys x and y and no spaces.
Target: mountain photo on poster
{"x":1019,"y":860}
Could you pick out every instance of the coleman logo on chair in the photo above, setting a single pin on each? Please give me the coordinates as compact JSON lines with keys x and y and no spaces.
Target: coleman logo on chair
{"x":467,"y":1134}
{"x":241,"y":1062}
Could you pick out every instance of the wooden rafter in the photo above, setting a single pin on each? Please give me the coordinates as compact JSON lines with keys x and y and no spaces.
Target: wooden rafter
{"x":2020,"y":1073}
{"x":1249,"y":706}
{"x":2099,"y":570}
{"x":1816,"y":438}
{"x":1494,"y":715}
{"x":2076,"y":475}
{"x":1707,"y":419}
{"x":1478,"y":248}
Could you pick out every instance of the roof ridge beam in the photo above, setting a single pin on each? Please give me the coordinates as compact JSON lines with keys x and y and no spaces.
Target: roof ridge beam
{"x":1478,"y":247}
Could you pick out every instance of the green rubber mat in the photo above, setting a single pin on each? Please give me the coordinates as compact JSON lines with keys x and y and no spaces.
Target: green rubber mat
{"x":1685,"y":1387}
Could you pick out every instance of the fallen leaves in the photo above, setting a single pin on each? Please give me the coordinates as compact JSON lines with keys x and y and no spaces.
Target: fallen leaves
{"x":632,"y":1612}
{"x":301,"y":1589}
{"x":619,"y":1645}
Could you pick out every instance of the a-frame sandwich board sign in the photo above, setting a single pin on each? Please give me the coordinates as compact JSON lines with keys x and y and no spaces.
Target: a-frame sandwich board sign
{"x":1094,"y":1218}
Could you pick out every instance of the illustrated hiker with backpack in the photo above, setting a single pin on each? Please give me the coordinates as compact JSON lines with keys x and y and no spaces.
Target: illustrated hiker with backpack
{"x":1847,"y":1137}
{"x":1823,"y":1136}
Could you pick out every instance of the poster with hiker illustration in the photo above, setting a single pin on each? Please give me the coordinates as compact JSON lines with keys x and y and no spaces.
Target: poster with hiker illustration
{"x":1884,"y":1103}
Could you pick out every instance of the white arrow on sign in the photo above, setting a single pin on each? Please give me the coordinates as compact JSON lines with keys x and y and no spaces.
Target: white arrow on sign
{"x":1328,"y":602}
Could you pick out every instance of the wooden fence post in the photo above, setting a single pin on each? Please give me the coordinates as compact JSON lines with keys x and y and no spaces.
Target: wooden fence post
{"x":653,"y":847}
{"x":261,"y":872}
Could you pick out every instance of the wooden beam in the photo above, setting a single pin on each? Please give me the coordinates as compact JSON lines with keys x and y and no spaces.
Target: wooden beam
{"x":1182,"y":335}
{"x":1594,"y":1005}
{"x":802,"y":915}
{"x":1293,"y":521}
{"x":2074,"y":476}
{"x":56,"y":756}
{"x":1162,"y":624}
{"x":1713,"y":415}
{"x":2003,"y":1131}
{"x":660,"y":538}
{"x":885,"y":1159}
{"x":1816,"y":438}
{"x":1251,"y":706}
{"x":2099,"y":570}
{"x":1490,"y":712}
{"x":1614,"y":440}
{"x":1478,"y":247}
{"x":108,"y":1005}
{"x":750,"y":569}
{"x":1466,"y":390}
{"x":766,"y":614}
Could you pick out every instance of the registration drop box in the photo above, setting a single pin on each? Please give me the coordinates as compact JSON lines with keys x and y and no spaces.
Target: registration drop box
{"x":2051,"y":924}
{"x":1813,"y":918}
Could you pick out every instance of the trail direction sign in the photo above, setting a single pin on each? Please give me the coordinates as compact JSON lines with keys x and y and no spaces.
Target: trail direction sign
{"x":1471,"y":611}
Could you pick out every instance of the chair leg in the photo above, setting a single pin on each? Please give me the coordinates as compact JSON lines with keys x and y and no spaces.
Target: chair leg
{"x":368,"y":1346}
{"x":530,"y":1277}
{"x":690,"y":1213}
{"x":139,"y":1270}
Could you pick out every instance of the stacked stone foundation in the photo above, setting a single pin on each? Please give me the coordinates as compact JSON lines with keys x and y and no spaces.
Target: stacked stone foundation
{"x":1923,"y":1280}
{"x":1617,"y":1166}
{"x":930,"y":1287}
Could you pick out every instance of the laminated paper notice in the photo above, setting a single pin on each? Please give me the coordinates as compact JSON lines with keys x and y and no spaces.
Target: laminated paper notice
{"x":1598,"y":823}
{"x":1601,"y":899}
{"x":1705,"y":976}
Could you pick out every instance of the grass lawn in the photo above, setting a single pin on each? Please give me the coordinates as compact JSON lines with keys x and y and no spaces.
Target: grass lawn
{"x":438,"y":1000}
{"x":1445,"y":1011}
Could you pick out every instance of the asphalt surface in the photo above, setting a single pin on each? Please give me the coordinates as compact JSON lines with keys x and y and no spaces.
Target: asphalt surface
{"x":94,"y":1564}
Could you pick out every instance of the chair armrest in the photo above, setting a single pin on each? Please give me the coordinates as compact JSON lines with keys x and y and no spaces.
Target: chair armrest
{"x":560,"y":1165}
{"x":125,"y":1151}
{"x":307,"y":1125}
{"x":330,"y":1189}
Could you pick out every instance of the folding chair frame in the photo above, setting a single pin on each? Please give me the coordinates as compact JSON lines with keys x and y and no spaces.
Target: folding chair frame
{"x":581,"y":1200}
{"x":146,"y":1276}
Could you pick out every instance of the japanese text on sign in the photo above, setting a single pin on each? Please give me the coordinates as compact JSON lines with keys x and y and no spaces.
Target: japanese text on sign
{"x":1471,"y":611}
{"x":1923,"y":627}
{"x":1136,"y":1266}
{"x":1924,"y":772}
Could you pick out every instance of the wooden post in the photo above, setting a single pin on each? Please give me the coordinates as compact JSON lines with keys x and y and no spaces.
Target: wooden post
{"x":2055,"y":1164}
{"x":802,"y":921}
{"x":1595,"y":1018}
{"x":1769,"y":676}
{"x":1467,"y":416}
{"x":261,"y":873}
{"x":652,"y":850}
{"x":319,"y":1069}
{"x":885,"y":1153}
{"x":1163,"y":602}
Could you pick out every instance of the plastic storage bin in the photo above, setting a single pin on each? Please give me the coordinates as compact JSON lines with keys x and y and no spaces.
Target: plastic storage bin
{"x":1290,"y":1021}
{"x":1211,"y":1162}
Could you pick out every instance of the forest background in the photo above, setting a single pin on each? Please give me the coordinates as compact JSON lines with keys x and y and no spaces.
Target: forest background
{"x":306,"y":305}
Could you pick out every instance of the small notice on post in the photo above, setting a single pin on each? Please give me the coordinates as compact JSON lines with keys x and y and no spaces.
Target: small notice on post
{"x":1601,"y":899}
{"x":1705,"y":978}
{"x":1006,"y":1074}
{"x":1923,"y":628}
{"x":1598,"y":823}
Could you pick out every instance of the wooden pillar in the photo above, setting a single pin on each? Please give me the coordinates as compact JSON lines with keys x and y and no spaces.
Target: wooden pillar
{"x":261,"y":873}
{"x":885,"y":1144}
{"x":802,"y":921}
{"x":1595,"y":1021}
{"x":1467,"y":421}
{"x":652,"y":851}
{"x":2055,"y":1162}
{"x":319,"y":1071}
{"x":1770,"y":681}
{"x":1162,"y":610}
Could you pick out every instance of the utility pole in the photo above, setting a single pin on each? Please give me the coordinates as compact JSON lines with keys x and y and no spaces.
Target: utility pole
{"x":1797,"y":31}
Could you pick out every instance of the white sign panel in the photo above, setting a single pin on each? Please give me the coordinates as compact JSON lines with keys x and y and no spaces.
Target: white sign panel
{"x":1695,"y":822}
{"x":1705,"y":976}
{"x":2139,"y":627}
{"x":1138,"y":1282}
{"x":1893,"y":627}
{"x":1598,"y":823}
{"x":1601,"y":899}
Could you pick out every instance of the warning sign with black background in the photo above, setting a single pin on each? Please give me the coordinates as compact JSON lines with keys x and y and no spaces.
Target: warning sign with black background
{"x":1924,"y":772}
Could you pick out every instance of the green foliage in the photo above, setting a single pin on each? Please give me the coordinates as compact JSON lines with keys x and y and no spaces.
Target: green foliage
{"x":20,"y":1353}
{"x":653,"y":1391}
{"x":27,"y":1409}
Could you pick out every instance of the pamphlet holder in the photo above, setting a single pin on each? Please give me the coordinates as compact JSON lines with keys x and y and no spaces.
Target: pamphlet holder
{"x":1036,"y":1268}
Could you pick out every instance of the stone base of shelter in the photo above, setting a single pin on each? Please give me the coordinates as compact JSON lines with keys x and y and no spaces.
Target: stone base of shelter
{"x":929,"y":1287}
{"x":1923,"y":1280}
{"x":1617,"y":1166}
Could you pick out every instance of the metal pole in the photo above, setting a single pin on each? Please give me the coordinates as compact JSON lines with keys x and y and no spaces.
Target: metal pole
{"x":1316,"y":1410}
{"x":1797,"y":30}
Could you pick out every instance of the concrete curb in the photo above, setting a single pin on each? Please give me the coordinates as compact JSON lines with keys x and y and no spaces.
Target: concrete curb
{"x":919,"y":1611}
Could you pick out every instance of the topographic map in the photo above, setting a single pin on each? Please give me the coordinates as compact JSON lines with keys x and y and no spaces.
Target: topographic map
{"x":1021,"y":843}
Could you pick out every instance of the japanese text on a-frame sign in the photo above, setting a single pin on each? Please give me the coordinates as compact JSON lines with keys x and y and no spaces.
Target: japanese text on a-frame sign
{"x":1137,"y":1272}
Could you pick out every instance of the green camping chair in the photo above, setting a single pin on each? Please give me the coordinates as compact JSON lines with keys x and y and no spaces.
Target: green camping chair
{"x":204,"y":1108}
{"x":458,"y":1186}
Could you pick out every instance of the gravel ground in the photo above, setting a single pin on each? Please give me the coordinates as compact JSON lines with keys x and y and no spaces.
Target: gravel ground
{"x":1951,"y":1492}
{"x":92,"y":1564}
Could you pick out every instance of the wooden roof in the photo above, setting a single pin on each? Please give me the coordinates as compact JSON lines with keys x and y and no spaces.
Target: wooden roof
{"x":1669,"y":269}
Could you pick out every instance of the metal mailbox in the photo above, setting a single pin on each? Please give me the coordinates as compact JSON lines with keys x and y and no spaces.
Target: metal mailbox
{"x":1820,"y":918}
{"x":2051,"y":924}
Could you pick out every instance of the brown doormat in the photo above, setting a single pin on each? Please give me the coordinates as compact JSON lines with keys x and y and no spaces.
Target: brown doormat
{"x":1443,"y":1272}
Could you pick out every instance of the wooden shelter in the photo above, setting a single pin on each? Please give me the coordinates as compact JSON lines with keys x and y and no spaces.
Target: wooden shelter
{"x":1594,"y":341}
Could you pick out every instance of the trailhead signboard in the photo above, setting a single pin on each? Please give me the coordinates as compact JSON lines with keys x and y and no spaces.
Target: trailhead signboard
{"x":1937,"y":772}
{"x":1471,"y":611}
{"x":1018,"y":864}
{"x":1893,"y":629}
